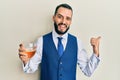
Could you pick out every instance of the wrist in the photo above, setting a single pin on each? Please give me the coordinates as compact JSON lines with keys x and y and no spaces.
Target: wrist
{"x":96,"y":51}
{"x":25,"y":62}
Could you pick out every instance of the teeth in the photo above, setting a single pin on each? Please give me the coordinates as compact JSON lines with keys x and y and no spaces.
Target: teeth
{"x":62,"y":25}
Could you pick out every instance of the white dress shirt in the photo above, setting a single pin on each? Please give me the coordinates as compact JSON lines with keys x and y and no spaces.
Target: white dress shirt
{"x":86,"y":65}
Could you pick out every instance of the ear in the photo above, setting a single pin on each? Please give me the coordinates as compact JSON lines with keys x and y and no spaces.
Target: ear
{"x":53,"y":18}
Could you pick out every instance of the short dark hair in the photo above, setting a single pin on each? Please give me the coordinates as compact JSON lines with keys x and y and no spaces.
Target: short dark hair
{"x":63,"y":5}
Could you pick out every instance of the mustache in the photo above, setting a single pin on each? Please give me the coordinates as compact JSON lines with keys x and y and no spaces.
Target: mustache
{"x":62,"y":24}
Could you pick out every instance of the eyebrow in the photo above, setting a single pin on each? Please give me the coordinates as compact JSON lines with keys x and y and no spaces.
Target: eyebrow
{"x":62,"y":15}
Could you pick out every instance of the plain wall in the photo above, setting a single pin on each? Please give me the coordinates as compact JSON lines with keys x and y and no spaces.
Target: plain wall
{"x":26,"y":20}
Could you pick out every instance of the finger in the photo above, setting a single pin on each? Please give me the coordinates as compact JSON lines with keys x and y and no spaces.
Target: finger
{"x":22,"y":48}
{"x":23,"y":58}
{"x":99,"y":37}
{"x":22,"y":54}
{"x":92,"y":39}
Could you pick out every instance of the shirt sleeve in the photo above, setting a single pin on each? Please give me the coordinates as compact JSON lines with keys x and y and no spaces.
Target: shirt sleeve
{"x":87,"y":65}
{"x":34,"y":62}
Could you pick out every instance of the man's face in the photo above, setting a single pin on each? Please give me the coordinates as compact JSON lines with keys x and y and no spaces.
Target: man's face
{"x":62,"y":20}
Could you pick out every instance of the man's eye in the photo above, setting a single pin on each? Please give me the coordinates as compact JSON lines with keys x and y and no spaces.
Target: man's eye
{"x":68,"y":18}
{"x":59,"y":16}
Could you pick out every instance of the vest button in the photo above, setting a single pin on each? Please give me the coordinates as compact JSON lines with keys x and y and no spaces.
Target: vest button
{"x":60,"y":62}
{"x":60,"y":74}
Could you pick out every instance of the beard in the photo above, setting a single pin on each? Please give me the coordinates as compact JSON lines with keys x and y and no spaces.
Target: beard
{"x":60,"y":32}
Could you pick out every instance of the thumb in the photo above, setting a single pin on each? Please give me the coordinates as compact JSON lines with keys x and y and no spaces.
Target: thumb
{"x":22,"y":48}
{"x":99,"y":37}
{"x":21,"y":45}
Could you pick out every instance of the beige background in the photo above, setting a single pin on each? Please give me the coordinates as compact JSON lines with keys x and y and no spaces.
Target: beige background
{"x":26,"y":20}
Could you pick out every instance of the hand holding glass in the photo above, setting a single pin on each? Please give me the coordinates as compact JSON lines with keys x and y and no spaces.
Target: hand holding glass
{"x":29,"y":49}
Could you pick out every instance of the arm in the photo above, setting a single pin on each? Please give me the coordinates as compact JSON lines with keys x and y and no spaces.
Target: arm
{"x":86,"y":65}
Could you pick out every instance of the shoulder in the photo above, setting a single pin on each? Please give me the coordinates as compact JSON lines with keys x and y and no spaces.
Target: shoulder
{"x":45,"y":35}
{"x":75,"y":37}
{"x":48,"y":34}
{"x":79,"y":41}
{"x":72,"y":36}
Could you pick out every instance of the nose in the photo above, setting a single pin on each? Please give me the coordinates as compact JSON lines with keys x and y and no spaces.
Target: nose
{"x":63,"y":21}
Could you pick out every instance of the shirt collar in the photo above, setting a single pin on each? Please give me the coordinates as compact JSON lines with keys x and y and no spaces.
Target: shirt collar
{"x":55,"y":35}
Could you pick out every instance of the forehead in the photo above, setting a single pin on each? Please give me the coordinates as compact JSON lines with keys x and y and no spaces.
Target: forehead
{"x":65,"y":12}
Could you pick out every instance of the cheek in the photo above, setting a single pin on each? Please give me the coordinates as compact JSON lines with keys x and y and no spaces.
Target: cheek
{"x":57,"y":22}
{"x":69,"y":23}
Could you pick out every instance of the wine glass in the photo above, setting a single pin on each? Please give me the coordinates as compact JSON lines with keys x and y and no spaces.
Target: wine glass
{"x":28,"y":49}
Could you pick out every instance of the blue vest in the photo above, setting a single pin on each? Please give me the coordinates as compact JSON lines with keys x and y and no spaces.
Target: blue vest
{"x":54,"y":67}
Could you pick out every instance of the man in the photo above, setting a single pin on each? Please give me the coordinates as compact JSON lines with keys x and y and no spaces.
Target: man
{"x":59,"y":52}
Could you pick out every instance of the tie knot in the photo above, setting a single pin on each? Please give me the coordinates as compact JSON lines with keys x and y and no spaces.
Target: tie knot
{"x":60,"y":38}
